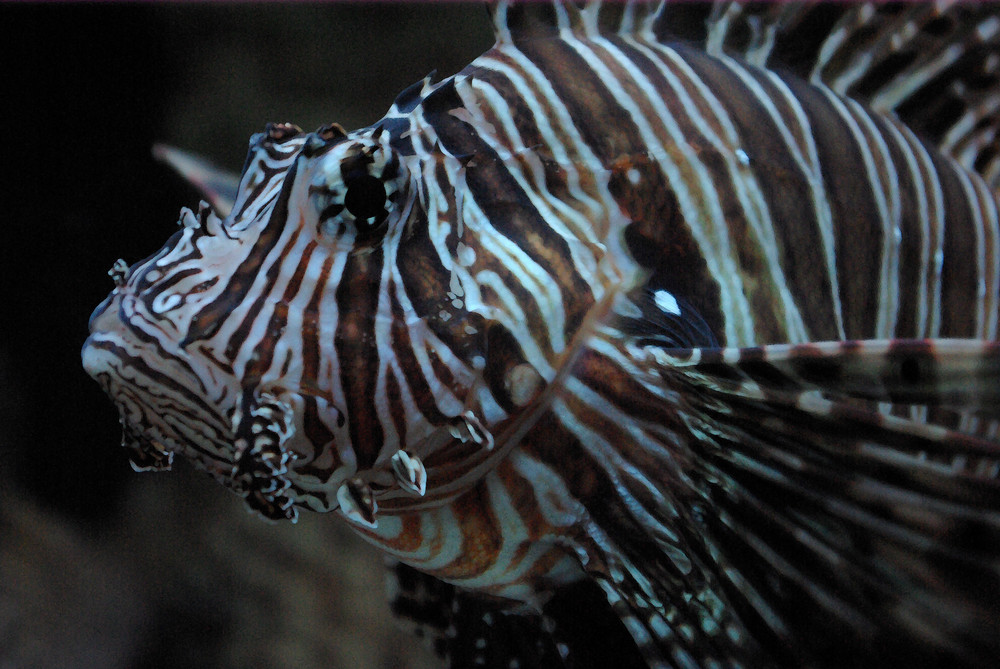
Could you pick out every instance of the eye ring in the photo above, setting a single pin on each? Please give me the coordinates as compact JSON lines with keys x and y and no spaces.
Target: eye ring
{"x":364,"y":202}
{"x":355,"y":191}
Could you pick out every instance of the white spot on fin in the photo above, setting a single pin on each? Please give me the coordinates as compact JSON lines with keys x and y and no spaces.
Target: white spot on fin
{"x":667,"y":302}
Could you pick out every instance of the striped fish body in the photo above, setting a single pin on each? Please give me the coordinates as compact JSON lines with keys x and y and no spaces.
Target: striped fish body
{"x":554,"y":319}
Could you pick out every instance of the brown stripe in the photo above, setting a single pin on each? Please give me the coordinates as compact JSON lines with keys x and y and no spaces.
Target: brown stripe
{"x":311,"y":346}
{"x":427,"y":285}
{"x":660,"y":205}
{"x":554,"y":174}
{"x":257,"y":159}
{"x":482,"y":537}
{"x":856,"y":220}
{"x":397,"y":410}
{"x":357,"y":299}
{"x":658,"y":237}
{"x":912,"y":227}
{"x":320,"y":436}
{"x":402,"y":351}
{"x":786,"y":189}
{"x":792,"y":217}
{"x":926,"y":181}
{"x":136,"y":323}
{"x":208,"y":321}
{"x":263,"y":352}
{"x":506,"y":205}
{"x":960,"y":268}
{"x":622,"y":390}
{"x":987,"y":202}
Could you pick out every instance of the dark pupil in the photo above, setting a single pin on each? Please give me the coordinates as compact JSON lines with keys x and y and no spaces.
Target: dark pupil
{"x":365,"y":196}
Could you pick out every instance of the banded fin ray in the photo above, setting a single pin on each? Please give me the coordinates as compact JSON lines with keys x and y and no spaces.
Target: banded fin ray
{"x":935,"y":65}
{"x":959,"y":374}
{"x":791,"y":492}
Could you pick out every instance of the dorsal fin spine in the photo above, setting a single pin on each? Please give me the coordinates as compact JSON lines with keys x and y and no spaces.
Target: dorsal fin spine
{"x":500,"y":27}
{"x":588,"y":18}
{"x":837,"y":38}
{"x":934,"y":65}
{"x":718,"y":28}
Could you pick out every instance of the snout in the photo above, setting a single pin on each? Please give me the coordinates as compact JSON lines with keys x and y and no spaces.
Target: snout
{"x":102,"y":317}
{"x":104,"y":326}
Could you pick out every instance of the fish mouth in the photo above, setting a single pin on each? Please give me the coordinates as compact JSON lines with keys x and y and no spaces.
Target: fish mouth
{"x":150,"y":422}
{"x":166,"y":407}
{"x":146,"y":451}
{"x":260,"y":479}
{"x":151,"y":447}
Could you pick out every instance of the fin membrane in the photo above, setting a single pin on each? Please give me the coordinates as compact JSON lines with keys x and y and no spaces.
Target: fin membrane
{"x":934,"y":65}
{"x":805,"y":516}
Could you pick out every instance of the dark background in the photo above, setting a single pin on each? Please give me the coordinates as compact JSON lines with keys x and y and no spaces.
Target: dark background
{"x":100,"y":566}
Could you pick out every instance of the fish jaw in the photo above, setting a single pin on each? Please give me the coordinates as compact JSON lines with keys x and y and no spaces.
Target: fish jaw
{"x":159,"y":406}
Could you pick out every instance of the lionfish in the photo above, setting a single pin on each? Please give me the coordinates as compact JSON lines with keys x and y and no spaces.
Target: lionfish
{"x":661,"y":334}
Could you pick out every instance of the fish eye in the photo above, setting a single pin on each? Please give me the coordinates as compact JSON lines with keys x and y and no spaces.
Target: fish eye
{"x":365,"y":198}
{"x":355,"y":189}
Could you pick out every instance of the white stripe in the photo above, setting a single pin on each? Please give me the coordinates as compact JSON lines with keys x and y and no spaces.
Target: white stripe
{"x":696,"y":207}
{"x":891,"y":224}
{"x":580,"y":222}
{"x":934,"y":254}
{"x":888,"y":297}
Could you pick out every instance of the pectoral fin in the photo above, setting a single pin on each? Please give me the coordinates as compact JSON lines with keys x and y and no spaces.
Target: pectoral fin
{"x":825,"y":505}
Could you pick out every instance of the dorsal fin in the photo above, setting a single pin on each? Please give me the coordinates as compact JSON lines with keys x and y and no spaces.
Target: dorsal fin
{"x":522,"y":20}
{"x":934,"y":65}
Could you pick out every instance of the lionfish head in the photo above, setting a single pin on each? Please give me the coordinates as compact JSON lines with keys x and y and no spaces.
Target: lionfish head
{"x":246,"y":342}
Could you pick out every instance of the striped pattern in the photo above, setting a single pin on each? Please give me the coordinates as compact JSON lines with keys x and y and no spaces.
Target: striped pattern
{"x":557,"y":221}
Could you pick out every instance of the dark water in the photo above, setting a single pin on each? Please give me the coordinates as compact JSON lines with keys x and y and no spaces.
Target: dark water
{"x":100,"y":566}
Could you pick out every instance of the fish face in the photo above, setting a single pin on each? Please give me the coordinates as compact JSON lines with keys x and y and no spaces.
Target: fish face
{"x":265,"y":347}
